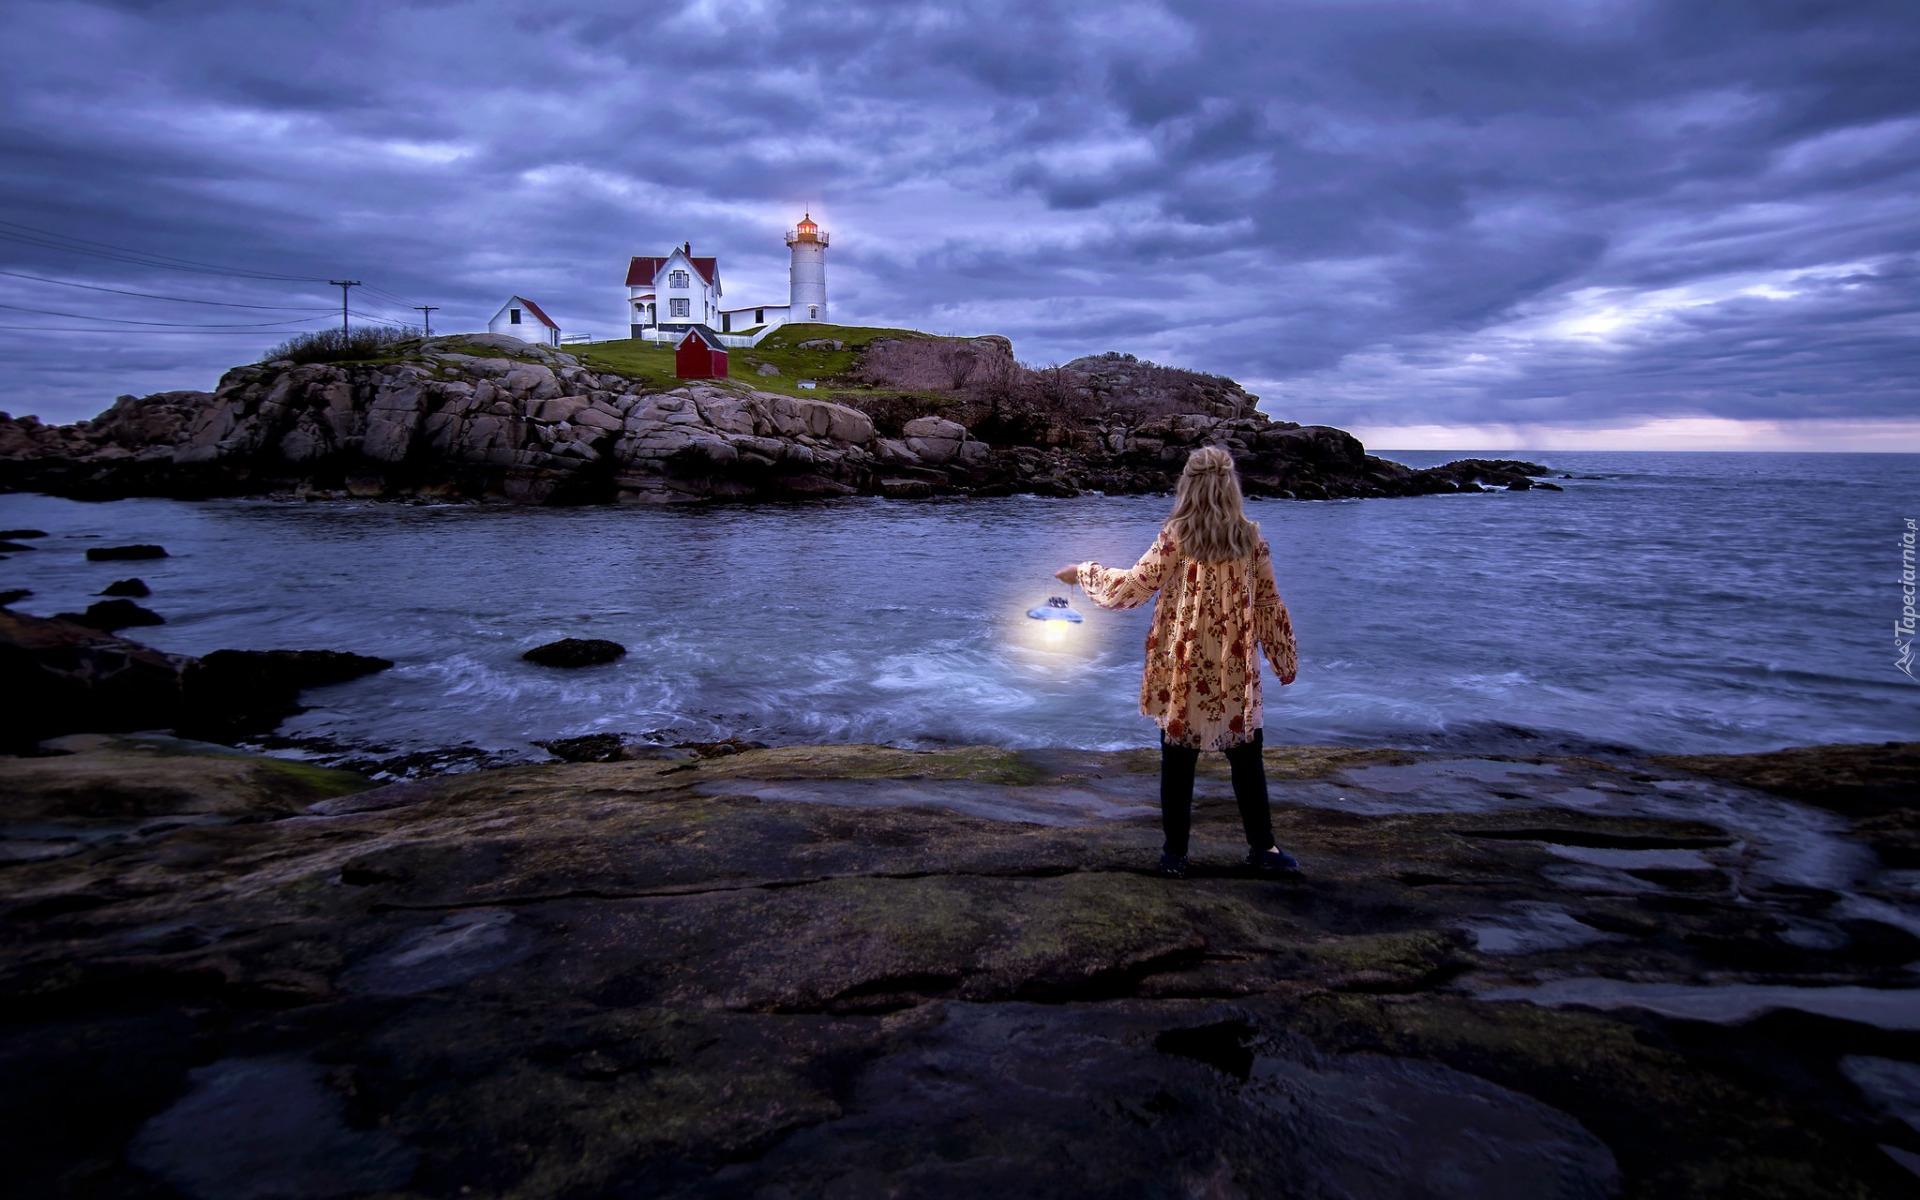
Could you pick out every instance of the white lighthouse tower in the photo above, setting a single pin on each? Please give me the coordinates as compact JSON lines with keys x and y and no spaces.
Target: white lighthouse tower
{"x":807,"y":277}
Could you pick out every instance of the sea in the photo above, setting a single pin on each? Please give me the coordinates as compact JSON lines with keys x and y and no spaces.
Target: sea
{"x":1665,"y":602}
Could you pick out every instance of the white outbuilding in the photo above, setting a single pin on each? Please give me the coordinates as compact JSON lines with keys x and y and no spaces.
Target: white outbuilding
{"x":520,"y":317}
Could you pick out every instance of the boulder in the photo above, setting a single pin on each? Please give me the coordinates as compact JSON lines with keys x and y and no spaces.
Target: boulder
{"x":119,"y":553}
{"x":13,"y":595}
{"x":766,"y":369}
{"x":590,"y":747}
{"x":233,"y":693}
{"x":575,"y":652}
{"x":934,"y":427}
{"x":114,"y":614}
{"x":16,"y":534}
{"x":560,"y":408}
{"x":64,"y":677}
{"x":934,"y":449}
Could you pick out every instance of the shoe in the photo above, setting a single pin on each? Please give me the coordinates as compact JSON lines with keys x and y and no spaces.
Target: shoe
{"x":1173,"y":867}
{"x":1273,"y":862}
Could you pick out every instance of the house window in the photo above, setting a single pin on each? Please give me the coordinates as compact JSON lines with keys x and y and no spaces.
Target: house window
{"x":513,"y":316}
{"x":679,"y":306}
{"x":759,"y":316}
{"x":676,"y":279}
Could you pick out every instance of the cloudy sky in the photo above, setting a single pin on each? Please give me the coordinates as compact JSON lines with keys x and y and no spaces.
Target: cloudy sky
{"x":1474,"y":224}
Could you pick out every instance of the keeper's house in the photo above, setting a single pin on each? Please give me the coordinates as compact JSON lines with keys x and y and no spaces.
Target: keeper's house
{"x":671,"y":293}
{"x":520,"y":317}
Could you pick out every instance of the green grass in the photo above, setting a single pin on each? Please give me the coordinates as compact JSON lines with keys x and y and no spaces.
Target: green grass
{"x":635,"y":358}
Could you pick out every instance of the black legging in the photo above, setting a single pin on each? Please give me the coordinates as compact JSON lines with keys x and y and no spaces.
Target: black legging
{"x":1249,"y":791}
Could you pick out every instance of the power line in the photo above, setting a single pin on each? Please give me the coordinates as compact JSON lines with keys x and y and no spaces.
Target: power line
{"x":159,"y":324}
{"x":210,"y":331}
{"x":60,"y":241}
{"x":152,"y":295}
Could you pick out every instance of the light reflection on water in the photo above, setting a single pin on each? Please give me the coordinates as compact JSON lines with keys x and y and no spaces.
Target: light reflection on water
{"x":1686,"y":602}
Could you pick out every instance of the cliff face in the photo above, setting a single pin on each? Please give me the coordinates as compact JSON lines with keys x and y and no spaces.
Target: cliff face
{"x":488,"y":417}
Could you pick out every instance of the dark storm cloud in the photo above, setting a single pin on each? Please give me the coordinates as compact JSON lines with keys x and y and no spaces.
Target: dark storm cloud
{"x":1383,"y":212}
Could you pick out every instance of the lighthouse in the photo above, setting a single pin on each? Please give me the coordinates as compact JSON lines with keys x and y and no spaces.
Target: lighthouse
{"x":807,"y":277}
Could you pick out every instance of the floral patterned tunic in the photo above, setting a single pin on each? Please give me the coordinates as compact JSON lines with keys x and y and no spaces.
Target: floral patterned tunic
{"x":1202,"y":682}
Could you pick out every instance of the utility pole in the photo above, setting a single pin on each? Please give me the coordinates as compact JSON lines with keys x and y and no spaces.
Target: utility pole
{"x":343,"y":285}
{"x":426,"y":316}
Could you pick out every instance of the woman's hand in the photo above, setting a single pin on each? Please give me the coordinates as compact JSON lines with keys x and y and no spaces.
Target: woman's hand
{"x":1286,"y":679}
{"x":1068,"y":574}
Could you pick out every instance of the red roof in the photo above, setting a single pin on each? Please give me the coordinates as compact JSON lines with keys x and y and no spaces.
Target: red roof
{"x":640,"y":271}
{"x":535,"y":310}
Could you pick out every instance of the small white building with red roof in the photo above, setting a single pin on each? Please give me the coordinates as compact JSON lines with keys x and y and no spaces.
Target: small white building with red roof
{"x":522,"y":318}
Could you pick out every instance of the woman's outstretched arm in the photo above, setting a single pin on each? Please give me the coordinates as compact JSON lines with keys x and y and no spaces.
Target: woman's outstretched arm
{"x":1271,"y":624}
{"x":1111,"y":587}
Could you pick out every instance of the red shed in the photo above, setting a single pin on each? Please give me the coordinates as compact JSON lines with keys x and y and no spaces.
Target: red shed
{"x":699,"y":355}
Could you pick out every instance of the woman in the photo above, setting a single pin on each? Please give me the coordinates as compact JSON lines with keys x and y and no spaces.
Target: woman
{"x":1217,"y":602}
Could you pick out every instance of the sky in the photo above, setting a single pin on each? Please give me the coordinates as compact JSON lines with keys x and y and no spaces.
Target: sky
{"x":1486,"y":224}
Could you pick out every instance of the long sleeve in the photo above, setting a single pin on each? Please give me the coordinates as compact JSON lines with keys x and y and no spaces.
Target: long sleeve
{"x":1273,"y":627}
{"x":1111,"y":587}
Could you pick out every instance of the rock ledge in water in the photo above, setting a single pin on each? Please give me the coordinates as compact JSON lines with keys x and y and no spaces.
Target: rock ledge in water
{"x":575,"y":652}
{"x":110,"y":615}
{"x":118,"y":553}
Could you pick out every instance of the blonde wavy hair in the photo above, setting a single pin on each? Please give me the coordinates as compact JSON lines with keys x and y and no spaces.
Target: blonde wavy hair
{"x":1209,"y":520}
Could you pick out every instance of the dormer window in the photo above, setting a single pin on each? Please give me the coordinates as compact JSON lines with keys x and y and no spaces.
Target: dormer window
{"x":677,"y":279}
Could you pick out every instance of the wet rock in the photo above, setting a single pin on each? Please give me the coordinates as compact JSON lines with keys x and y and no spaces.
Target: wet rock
{"x":118,"y":553}
{"x":13,"y":595}
{"x":126,"y":587}
{"x":575,"y":652}
{"x":12,"y":547}
{"x":64,"y":677}
{"x":114,"y":614}
{"x":906,"y":489}
{"x":230,"y":693}
{"x":12,"y":535}
{"x":266,"y":1129}
{"x":589,"y":747}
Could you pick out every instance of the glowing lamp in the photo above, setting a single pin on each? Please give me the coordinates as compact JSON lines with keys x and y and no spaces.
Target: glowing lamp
{"x":1056,"y":609}
{"x":1055,"y":617}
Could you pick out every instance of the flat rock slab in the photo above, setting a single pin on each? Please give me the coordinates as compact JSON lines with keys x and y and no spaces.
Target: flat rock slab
{"x":849,"y":971}
{"x":266,"y":1129}
{"x":1007,"y":1099}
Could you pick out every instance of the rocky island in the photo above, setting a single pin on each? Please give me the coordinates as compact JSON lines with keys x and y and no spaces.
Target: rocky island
{"x":816,"y":411}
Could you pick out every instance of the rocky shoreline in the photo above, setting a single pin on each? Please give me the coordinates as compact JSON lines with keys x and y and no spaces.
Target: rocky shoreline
{"x":819,"y":971}
{"x":852,"y":970}
{"x":494,"y":418}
